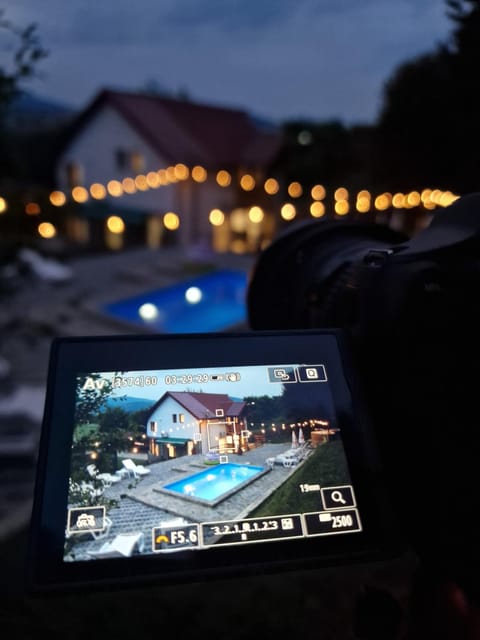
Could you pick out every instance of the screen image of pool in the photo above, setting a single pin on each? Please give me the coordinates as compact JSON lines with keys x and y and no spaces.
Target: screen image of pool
{"x":216,"y":483}
{"x":211,"y":302}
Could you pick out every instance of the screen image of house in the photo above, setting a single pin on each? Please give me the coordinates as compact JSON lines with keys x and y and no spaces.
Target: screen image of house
{"x":183,"y":423}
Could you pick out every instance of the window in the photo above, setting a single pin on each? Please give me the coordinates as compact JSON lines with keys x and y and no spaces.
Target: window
{"x":137,"y":162}
{"x":129,"y":160}
{"x":219,"y":413}
{"x":174,"y":418}
{"x":121,"y":159}
{"x":74,"y":174}
{"x":181,"y":417}
{"x":153,"y":426}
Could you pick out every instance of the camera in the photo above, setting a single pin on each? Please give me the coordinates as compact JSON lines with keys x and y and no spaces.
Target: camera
{"x":411,"y":308}
{"x":340,"y":427}
{"x":183,"y":457}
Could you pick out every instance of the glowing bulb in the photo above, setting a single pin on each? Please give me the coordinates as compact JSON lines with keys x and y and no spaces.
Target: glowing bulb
{"x":57,"y":198}
{"x":193,"y":295}
{"x":115,"y":224}
{"x":148,"y":311}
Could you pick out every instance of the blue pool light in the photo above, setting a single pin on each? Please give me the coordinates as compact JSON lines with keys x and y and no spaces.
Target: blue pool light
{"x":215,"y":301}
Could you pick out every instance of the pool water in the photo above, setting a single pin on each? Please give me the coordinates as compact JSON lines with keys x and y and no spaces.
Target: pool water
{"x":215,"y":483}
{"x":211,"y":302}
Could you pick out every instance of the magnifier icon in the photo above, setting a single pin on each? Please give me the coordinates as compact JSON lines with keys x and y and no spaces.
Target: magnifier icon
{"x":337,"y":497}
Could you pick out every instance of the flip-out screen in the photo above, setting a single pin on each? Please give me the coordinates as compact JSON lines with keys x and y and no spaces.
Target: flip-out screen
{"x":178,"y":457}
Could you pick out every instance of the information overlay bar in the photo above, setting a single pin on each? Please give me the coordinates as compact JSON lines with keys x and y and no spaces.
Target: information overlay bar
{"x":327,"y":523}
{"x":252,"y":530}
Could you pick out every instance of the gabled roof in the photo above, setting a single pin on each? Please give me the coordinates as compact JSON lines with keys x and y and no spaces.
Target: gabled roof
{"x":189,"y":132}
{"x":203,"y":405}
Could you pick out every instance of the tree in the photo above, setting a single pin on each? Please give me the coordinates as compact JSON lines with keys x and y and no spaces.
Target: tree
{"x":417,"y":124}
{"x":305,"y":402}
{"x":27,"y":54}
{"x":93,"y":392}
{"x":114,"y":428}
{"x":428,"y":131}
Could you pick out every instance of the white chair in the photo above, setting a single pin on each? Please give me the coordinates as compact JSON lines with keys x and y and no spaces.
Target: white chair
{"x":106,"y":478}
{"x":98,"y":535}
{"x":122,"y":546}
{"x":174,"y":522}
{"x":270,"y":462}
{"x":288,"y":459}
{"x":135,"y":470}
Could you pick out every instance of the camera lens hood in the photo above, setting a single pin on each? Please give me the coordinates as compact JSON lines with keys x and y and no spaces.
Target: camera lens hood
{"x":299,"y":265}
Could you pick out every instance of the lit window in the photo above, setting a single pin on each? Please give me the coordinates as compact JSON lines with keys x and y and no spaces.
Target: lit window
{"x":75,"y":174}
{"x":129,"y":160}
{"x":137,"y":162}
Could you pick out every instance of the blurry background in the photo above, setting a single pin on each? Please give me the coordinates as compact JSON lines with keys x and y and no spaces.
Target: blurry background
{"x":146,"y":145}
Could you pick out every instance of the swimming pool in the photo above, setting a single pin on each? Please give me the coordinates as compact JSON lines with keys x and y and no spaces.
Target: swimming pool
{"x":215,"y":483}
{"x":214,"y":301}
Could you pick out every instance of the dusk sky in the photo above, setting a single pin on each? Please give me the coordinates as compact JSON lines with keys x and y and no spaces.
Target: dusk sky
{"x":316,"y":59}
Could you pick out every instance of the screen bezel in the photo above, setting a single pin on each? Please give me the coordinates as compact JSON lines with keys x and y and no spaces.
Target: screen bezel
{"x":70,"y":356}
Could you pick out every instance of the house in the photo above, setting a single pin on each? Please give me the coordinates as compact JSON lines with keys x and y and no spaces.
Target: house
{"x":183,"y":423}
{"x":147,"y":169}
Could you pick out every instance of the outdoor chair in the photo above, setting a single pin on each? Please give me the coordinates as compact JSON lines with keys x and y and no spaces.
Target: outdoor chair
{"x":106,"y":478}
{"x":270,"y":462}
{"x":289,"y":458}
{"x":122,"y":546}
{"x":98,"y":535}
{"x":135,"y":470}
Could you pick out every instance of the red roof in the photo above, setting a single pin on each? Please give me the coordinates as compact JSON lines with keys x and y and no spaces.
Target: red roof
{"x":189,"y":132}
{"x":204,"y":405}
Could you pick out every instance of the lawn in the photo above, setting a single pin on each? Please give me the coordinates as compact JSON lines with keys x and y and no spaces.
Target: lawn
{"x":326,"y":466}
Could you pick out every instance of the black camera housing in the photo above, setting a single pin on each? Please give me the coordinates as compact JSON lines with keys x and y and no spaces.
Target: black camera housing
{"x":411,"y":308}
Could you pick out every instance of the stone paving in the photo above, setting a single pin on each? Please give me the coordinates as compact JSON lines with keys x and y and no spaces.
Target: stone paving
{"x":35,"y":312}
{"x":141,"y":506}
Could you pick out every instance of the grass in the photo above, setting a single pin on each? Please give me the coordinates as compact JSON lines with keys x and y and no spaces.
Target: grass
{"x":327,"y":465}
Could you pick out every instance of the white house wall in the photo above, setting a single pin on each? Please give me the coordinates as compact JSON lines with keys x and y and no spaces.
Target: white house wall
{"x":163,"y":417}
{"x":94,"y":149}
{"x":188,"y":429}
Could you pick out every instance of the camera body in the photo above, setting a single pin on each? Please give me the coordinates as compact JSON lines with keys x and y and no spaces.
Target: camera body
{"x":359,"y":336}
{"x":411,"y":307}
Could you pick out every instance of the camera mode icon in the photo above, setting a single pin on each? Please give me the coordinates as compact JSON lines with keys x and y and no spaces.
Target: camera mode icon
{"x":312,"y":373}
{"x":282,"y":374}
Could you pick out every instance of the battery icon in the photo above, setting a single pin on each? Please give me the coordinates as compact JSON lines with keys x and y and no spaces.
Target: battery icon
{"x":216,"y":376}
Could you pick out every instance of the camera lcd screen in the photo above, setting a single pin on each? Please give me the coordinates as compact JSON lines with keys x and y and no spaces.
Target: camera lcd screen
{"x":179,"y":457}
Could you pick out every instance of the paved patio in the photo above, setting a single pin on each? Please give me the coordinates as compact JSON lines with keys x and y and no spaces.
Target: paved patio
{"x":38,"y":311}
{"x":140,"y":506}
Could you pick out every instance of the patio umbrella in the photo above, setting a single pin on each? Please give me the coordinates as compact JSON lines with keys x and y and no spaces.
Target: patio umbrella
{"x":301,"y":439}
{"x":294,"y":439}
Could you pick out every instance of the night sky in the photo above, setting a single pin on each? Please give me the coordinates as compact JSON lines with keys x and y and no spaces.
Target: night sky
{"x":317,"y":59}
